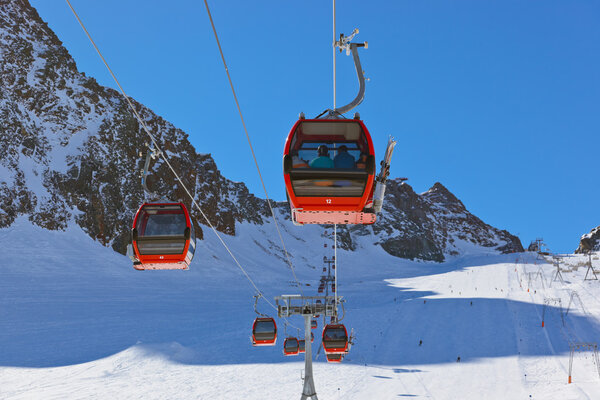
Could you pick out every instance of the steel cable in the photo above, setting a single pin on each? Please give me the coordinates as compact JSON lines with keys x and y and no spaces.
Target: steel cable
{"x":162,"y":155}
{"x":251,"y":147}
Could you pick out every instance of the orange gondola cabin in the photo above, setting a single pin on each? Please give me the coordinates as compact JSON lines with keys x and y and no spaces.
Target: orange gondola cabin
{"x":162,"y":237}
{"x":329,"y":171}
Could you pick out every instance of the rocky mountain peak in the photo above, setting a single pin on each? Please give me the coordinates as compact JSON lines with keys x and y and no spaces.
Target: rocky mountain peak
{"x":71,"y":156}
{"x":440,"y":195}
{"x":589,"y":242}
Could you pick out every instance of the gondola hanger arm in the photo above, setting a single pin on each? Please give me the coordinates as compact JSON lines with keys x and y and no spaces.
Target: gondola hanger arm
{"x":345,"y":43}
{"x":152,"y":153}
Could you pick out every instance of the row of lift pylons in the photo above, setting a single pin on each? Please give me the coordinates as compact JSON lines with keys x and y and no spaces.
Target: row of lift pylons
{"x":330,"y":177}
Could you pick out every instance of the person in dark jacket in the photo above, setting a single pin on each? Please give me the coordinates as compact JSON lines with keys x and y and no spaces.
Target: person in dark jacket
{"x":343,"y":158}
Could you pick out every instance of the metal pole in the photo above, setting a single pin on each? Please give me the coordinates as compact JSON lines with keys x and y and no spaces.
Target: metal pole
{"x":308,"y":392}
{"x":571,"y":362}
{"x":334,"y":40}
{"x":335,"y":262}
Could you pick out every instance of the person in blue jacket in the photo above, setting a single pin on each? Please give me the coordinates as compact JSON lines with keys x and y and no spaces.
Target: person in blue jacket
{"x":323,"y":160}
{"x":343,"y":158}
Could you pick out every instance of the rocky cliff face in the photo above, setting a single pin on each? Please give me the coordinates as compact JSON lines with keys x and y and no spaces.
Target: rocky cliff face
{"x":71,"y":155}
{"x":70,"y":146}
{"x":589,"y":242}
{"x":432,"y":226}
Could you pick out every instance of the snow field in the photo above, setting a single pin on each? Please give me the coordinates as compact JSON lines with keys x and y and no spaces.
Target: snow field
{"x":78,"y":322}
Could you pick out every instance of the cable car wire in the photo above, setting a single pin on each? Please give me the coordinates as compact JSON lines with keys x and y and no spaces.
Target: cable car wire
{"x":250,"y":144}
{"x":164,"y":157}
{"x":334,"y":58}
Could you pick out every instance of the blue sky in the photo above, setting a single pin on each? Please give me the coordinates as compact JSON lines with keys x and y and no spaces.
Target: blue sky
{"x":497,"y":100}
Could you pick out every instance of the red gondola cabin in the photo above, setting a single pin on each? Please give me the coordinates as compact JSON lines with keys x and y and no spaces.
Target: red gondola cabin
{"x":162,"y":237}
{"x":329,"y":171}
{"x":301,"y":346}
{"x":291,"y":347}
{"x":264,"y":332}
{"x":334,"y":357}
{"x":335,"y":339}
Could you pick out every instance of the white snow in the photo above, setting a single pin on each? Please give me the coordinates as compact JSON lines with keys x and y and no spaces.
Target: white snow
{"x":78,"y":322}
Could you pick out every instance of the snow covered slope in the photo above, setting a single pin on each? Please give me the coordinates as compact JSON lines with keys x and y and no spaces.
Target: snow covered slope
{"x":76,"y":321}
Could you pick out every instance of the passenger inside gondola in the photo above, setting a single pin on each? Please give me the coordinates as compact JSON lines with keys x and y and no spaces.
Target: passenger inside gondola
{"x":343,"y":159}
{"x":297,"y":162}
{"x":362,"y":161}
{"x":333,"y":150}
{"x":322,"y":160}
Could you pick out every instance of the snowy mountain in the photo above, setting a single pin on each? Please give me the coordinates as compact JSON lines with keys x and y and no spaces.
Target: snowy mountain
{"x":76,"y":321}
{"x":589,"y":242}
{"x":71,"y":156}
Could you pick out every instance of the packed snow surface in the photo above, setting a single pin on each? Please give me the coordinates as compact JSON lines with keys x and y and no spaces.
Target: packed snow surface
{"x":76,"y":321}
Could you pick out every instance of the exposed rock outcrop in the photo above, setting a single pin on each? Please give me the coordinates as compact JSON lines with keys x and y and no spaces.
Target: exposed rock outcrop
{"x":589,"y":242}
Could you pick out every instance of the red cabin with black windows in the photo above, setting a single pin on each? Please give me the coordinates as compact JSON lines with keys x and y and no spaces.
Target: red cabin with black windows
{"x":335,"y":339}
{"x":329,"y":171}
{"x":301,"y":346}
{"x":264,"y":332}
{"x":162,"y":237}
{"x":291,"y":346}
{"x":334,"y":357}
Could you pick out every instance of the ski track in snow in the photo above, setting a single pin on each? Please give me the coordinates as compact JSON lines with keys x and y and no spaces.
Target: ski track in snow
{"x":76,"y":321}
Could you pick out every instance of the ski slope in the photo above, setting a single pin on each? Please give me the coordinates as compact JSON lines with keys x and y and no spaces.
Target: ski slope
{"x":76,"y":321}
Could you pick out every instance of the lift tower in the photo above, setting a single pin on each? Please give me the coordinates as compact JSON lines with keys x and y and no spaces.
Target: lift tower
{"x":306,"y":306}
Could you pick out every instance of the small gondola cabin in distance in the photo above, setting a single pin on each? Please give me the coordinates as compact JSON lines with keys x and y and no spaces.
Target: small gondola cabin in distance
{"x":329,"y":172}
{"x":291,"y":346}
{"x":162,"y":237}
